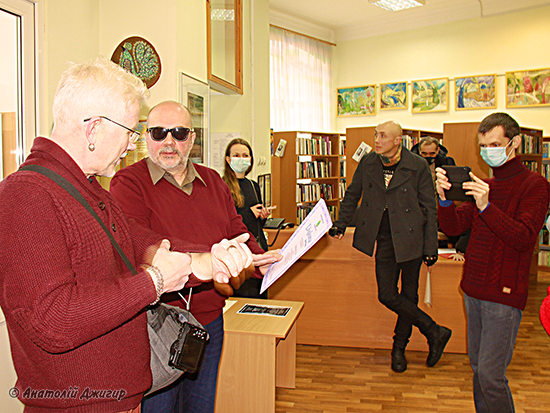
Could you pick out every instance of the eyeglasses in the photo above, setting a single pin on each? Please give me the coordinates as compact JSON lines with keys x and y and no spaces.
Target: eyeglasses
{"x":159,"y":133}
{"x":134,"y":136}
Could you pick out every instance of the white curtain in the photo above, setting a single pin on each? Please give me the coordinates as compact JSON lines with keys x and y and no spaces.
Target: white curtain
{"x":300,"y":83}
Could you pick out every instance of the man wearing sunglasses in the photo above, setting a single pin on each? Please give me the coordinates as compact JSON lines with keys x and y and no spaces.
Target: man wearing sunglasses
{"x":169,"y":194}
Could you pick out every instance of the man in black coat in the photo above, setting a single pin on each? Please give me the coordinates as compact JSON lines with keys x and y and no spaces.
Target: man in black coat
{"x":398,"y":213}
{"x":435,"y":154}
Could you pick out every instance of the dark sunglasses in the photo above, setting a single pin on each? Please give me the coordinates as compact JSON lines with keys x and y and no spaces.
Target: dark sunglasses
{"x":159,"y":133}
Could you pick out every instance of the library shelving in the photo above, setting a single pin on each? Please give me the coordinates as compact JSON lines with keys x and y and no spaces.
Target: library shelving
{"x":309,"y":169}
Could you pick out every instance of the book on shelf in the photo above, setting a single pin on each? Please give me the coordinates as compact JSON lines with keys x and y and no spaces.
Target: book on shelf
{"x":313,"y":169}
{"x":546,"y":150}
{"x":303,"y":210}
{"x":531,"y":165}
{"x":408,"y":141}
{"x":313,"y":145}
{"x":313,"y":192}
{"x":529,"y":144}
{"x":264,"y":181}
{"x":343,"y":147}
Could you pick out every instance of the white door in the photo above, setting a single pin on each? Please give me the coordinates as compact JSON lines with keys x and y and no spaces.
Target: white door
{"x":17,"y":119}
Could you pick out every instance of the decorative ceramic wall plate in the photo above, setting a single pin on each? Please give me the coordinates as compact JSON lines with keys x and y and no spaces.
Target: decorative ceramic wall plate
{"x":138,"y":56}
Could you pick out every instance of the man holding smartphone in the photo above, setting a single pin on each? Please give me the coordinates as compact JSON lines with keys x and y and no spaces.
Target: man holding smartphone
{"x":398,"y":214}
{"x":505,"y":220}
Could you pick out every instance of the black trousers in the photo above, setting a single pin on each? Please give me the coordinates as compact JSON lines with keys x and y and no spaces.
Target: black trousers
{"x":405,"y":302}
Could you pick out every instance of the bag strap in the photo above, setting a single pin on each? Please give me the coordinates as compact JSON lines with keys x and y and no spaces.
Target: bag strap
{"x":67,"y":186}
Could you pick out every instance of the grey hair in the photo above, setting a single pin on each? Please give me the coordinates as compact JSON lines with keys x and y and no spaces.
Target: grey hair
{"x":97,"y":88}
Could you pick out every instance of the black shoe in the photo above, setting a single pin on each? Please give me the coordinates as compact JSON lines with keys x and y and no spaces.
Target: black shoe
{"x":437,"y":342}
{"x":398,"y":360}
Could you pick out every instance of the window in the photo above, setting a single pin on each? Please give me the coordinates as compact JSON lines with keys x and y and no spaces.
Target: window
{"x":17,"y":100}
{"x":301,"y":95}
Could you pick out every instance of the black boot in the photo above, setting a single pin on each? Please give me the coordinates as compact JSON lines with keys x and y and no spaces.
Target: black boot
{"x":398,"y":360}
{"x":438,"y":338}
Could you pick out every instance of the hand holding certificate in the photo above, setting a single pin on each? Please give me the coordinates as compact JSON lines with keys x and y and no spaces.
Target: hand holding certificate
{"x":316,"y":224}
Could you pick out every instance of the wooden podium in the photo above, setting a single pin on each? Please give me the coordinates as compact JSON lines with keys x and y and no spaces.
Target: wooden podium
{"x":259,"y":353}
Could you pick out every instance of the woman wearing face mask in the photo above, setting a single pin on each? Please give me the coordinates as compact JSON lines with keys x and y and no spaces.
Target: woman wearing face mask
{"x":248,"y":201}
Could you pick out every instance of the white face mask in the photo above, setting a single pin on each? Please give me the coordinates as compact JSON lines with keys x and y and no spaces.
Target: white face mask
{"x":496,"y":157}
{"x":240,"y":165}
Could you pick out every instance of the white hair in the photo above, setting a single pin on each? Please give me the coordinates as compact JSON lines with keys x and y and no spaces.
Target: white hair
{"x":97,"y":88}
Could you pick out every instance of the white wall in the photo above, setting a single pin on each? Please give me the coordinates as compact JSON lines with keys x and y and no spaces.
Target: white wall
{"x":508,"y":42}
{"x":249,"y":114}
{"x":71,"y":32}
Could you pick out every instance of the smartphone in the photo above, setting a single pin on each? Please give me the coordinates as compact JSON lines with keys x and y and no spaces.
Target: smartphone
{"x":457,"y":175}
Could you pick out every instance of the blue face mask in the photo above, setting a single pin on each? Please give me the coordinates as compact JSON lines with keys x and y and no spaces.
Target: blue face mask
{"x":240,"y":165}
{"x":496,"y":157}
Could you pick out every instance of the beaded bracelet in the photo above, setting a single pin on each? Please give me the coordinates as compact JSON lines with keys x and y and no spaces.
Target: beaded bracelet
{"x":157,"y":278}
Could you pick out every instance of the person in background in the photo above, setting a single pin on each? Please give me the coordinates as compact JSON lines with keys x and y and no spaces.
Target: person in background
{"x":75,"y":313}
{"x":436,"y":155}
{"x":239,"y":160}
{"x":505,"y":220}
{"x":169,"y":194}
{"x":398,"y":214}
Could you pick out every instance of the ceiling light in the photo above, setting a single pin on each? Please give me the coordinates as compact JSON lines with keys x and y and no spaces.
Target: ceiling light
{"x":395,"y":5}
{"x":223,"y":14}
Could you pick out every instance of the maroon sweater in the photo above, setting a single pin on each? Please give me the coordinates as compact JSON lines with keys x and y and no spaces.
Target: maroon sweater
{"x":74,"y":312}
{"x":500,"y":249}
{"x":206,"y":216}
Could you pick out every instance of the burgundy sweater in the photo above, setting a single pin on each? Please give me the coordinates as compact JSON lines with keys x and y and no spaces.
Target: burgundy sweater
{"x":206,"y":216}
{"x":74,"y":311}
{"x":500,"y":249}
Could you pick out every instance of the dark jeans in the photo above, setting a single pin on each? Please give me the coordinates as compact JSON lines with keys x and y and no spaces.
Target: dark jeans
{"x":404,"y":302}
{"x":192,"y":393}
{"x":492,"y":332}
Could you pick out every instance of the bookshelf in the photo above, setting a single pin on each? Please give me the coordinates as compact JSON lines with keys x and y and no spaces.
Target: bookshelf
{"x":309,"y":169}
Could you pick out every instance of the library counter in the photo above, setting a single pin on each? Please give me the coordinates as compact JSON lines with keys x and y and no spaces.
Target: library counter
{"x":337,"y":283}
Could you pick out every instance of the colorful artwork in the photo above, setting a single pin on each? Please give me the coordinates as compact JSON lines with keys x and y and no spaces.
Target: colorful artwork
{"x":138,"y":56}
{"x":357,"y":101}
{"x":393,"y":96}
{"x":475,"y":92}
{"x":430,"y":95}
{"x":528,"y":88}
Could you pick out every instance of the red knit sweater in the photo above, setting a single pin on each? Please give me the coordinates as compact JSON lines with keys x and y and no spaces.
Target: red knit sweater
{"x":73,"y":310}
{"x":206,"y":216}
{"x":500,"y":249}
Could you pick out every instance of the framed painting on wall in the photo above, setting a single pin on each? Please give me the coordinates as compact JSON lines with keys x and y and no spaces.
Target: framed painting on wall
{"x":356,"y":101}
{"x":528,"y":88}
{"x":431,"y":95}
{"x":195,"y":94}
{"x":393,"y":96}
{"x":475,"y":92}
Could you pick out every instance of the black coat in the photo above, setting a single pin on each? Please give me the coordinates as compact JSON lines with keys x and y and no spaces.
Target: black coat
{"x":411,"y":206}
{"x":440,"y":159}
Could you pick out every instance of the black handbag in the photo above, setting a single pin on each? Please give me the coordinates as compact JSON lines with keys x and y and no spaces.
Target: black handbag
{"x":164,"y":322}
